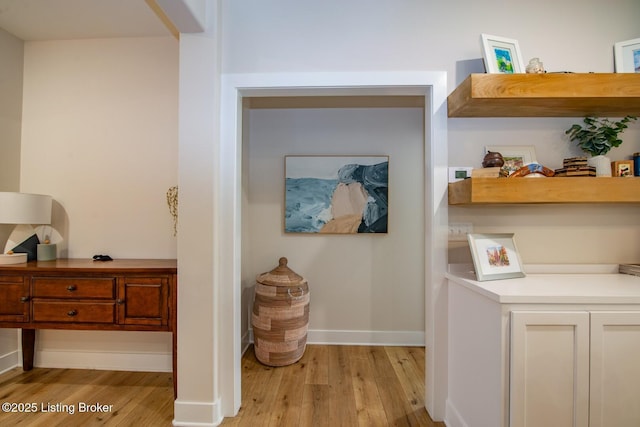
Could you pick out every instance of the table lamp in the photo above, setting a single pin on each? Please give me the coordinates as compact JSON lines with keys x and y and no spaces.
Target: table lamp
{"x":23,"y":208}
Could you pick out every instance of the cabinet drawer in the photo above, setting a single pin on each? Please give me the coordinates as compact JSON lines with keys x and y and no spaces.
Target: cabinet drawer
{"x":80,"y":287}
{"x":73,"y":312}
{"x":11,"y":279}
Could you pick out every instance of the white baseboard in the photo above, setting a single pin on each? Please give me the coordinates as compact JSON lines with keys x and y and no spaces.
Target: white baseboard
{"x":162,"y":362}
{"x":452,"y":417}
{"x":196,"y":414}
{"x":405,"y":338}
{"x":116,"y":361}
{"x":9,"y":361}
{"x":343,"y":337}
{"x":247,"y":339}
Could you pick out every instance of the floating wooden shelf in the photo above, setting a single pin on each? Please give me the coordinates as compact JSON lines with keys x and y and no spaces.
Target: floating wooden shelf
{"x":487,"y":191}
{"x":546,"y":95}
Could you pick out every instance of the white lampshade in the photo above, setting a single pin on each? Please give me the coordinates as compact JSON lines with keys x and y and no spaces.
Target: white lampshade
{"x":24,"y":208}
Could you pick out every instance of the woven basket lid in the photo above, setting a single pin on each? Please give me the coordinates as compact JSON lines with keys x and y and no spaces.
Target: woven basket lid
{"x":281,"y":276}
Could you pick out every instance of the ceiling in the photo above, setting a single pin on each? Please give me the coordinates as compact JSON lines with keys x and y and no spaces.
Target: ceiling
{"x":77,"y":19}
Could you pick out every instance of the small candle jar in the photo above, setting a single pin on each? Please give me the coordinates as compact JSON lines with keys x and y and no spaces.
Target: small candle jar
{"x":47,"y":252}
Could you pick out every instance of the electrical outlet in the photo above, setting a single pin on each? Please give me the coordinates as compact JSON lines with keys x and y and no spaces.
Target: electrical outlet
{"x":458,"y":230}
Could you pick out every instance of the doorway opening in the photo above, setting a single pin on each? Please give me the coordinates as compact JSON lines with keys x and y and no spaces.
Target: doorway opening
{"x":323,"y":91}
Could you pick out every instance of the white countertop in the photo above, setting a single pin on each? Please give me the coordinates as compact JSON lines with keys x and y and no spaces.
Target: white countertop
{"x":556,"y":288}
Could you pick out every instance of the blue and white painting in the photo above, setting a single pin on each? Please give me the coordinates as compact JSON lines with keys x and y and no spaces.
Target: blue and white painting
{"x":336,"y":194}
{"x":503,"y":60}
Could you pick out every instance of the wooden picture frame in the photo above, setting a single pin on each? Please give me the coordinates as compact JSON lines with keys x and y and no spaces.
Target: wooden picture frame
{"x":495,"y":256}
{"x":627,"y":56}
{"x":336,"y":194}
{"x":622,"y":168}
{"x":501,"y":55}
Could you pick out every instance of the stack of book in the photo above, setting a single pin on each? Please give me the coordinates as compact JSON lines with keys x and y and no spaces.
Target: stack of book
{"x":633,"y":269}
{"x":575,"y":166}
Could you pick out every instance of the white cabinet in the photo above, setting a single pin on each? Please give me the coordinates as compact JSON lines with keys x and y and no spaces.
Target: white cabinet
{"x":549,"y":373}
{"x":536,"y":359}
{"x":575,"y":369}
{"x":615,"y":369}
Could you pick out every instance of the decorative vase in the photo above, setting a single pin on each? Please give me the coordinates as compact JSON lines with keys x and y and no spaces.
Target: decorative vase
{"x":601,"y":163}
{"x":492,"y":159}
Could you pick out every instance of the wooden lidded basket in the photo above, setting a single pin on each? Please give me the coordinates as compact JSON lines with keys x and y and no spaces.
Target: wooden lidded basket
{"x":280,"y":317}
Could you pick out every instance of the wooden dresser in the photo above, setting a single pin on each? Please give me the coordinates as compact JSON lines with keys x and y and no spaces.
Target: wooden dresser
{"x":82,"y":294}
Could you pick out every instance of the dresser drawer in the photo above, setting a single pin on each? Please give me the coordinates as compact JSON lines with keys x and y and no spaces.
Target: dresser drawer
{"x":74,"y":312}
{"x":69,"y":287}
{"x":11,"y":279}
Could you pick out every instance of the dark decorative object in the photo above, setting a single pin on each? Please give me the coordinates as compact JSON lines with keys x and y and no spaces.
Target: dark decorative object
{"x":29,"y":247}
{"x":492,"y":159}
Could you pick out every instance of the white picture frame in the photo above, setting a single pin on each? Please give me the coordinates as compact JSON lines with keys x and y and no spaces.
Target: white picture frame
{"x":495,"y":256}
{"x":515,"y":156}
{"x":501,"y":55}
{"x":627,"y":56}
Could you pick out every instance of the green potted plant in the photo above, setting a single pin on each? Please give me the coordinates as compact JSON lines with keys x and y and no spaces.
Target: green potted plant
{"x":597,"y":137}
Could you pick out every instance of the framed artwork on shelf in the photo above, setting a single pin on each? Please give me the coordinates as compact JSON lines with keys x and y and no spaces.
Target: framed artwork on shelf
{"x":622,"y":168}
{"x":627,"y":56}
{"x":495,"y":256}
{"x":501,"y":55}
{"x":336,"y":194}
{"x":515,"y":156}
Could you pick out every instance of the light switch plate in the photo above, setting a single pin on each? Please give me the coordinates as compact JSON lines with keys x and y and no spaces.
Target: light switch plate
{"x":458,"y":230}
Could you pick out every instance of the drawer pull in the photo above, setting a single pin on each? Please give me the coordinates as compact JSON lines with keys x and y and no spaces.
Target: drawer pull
{"x":72,"y":313}
{"x":72,"y":288}
{"x":120,"y":301}
{"x":24,"y":299}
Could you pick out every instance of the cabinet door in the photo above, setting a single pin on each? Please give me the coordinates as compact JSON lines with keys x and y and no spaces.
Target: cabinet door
{"x":143,"y":301}
{"x":615,"y":369}
{"x":549,"y":373}
{"x":14,"y":299}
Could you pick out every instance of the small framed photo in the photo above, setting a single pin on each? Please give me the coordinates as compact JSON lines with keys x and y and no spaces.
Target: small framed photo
{"x":495,"y":256}
{"x":515,"y":156}
{"x":501,"y":55}
{"x":622,"y":168}
{"x":627,"y":56}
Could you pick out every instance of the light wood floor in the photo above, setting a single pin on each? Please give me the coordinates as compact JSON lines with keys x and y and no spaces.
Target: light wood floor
{"x":137,"y":398}
{"x":351,"y":386}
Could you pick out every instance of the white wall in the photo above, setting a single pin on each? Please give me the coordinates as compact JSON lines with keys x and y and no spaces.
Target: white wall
{"x":358,"y":283}
{"x":11,"y":52}
{"x":361,"y":35}
{"x":99,"y":134}
{"x":573,"y":35}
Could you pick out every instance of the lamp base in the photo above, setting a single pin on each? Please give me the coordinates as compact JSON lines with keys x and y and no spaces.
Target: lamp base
{"x":9,"y":259}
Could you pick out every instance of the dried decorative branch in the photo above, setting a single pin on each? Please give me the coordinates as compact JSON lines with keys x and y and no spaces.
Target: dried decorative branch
{"x":172,"y":202}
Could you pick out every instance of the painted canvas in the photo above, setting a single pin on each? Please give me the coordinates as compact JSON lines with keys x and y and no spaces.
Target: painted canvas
{"x":336,"y":194}
{"x":503,"y":58}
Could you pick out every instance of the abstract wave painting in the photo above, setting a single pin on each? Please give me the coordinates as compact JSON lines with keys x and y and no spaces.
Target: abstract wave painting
{"x":336,"y":194}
